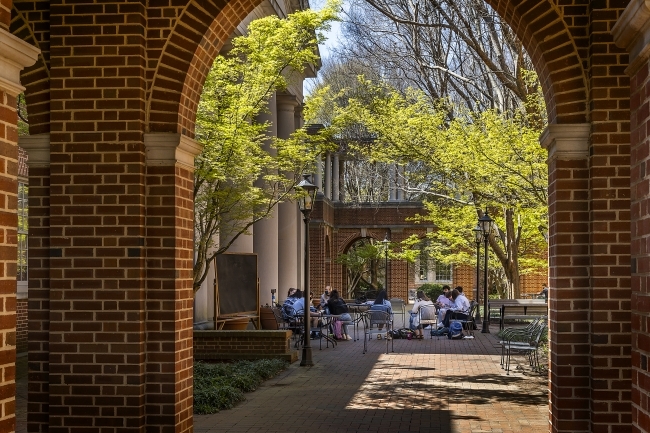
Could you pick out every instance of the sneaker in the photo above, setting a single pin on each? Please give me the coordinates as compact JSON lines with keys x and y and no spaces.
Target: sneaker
{"x":388,"y":337}
{"x":348,"y":337}
{"x":378,"y":336}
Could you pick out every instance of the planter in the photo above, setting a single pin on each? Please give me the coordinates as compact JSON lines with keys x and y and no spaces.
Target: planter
{"x":236,"y":324}
{"x":267,"y":319}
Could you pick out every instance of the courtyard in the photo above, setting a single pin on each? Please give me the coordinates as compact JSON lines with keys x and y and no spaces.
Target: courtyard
{"x":430,"y":385}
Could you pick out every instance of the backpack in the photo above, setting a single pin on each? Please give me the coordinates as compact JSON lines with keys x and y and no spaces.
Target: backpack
{"x":455,"y":331}
{"x":338,"y":329}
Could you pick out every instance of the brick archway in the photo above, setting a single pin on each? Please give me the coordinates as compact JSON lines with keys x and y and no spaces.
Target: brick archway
{"x":115,"y":237}
{"x":185,"y":61}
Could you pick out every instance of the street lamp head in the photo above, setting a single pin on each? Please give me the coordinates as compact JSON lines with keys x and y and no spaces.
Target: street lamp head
{"x":485,"y":222}
{"x":386,"y":241}
{"x":478,"y":234}
{"x":307,"y":199}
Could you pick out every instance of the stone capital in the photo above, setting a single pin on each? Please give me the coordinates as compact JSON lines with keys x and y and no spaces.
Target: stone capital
{"x":165,"y":149}
{"x":15,"y":55}
{"x":37,"y":148}
{"x":287,"y":101}
{"x":632,"y":33}
{"x":566,"y":141}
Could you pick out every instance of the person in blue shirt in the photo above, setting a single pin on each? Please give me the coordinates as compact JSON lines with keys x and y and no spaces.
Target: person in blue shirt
{"x":382,"y":304}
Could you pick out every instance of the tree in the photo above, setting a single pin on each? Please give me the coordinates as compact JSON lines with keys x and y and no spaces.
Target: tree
{"x":465,"y":164}
{"x":242,"y":173}
{"x":362,"y":264}
{"x":458,"y":50}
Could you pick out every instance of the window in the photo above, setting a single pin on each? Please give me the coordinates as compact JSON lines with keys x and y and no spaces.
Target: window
{"x":21,"y":266}
{"x":430,"y":271}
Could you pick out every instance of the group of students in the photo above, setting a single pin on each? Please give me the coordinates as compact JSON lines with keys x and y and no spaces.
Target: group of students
{"x":330,"y":303}
{"x":451,"y":304}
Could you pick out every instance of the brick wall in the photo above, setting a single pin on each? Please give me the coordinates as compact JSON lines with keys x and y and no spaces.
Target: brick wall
{"x":21,"y":325}
{"x":230,"y":345}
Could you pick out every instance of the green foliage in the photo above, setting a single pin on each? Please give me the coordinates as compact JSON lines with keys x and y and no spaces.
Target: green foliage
{"x":242,"y":173}
{"x":221,"y":386}
{"x":462,"y":163}
{"x":432,"y":290}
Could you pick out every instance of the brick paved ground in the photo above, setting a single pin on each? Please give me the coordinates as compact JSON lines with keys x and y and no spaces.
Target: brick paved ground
{"x":433,"y":385}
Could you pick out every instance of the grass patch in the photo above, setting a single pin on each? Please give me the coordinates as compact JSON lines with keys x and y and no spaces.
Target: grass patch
{"x":221,"y":386}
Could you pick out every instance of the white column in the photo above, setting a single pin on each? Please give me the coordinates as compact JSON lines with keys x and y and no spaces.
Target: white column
{"x":392,"y":187}
{"x":400,"y":183}
{"x":265,"y":238}
{"x":335,"y":179}
{"x":318,"y":175}
{"x":288,"y":226}
{"x":328,"y":176}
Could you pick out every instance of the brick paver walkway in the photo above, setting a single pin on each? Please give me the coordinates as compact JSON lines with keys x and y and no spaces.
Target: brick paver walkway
{"x":430,"y":385}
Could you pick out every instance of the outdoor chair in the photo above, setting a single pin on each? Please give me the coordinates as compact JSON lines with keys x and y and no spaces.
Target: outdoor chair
{"x":399,"y":308}
{"x":521,"y":335}
{"x":377,"y":322}
{"x":529,"y":347}
{"x":470,"y":323}
{"x":428,"y":316}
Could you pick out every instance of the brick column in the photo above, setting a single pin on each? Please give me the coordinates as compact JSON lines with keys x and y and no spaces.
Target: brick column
{"x":14,"y":56}
{"x":632,"y":34}
{"x":569,"y":295}
{"x":38,"y":150}
{"x":169,"y":295}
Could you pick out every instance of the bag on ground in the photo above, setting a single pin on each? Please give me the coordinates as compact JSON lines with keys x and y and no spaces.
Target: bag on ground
{"x":338,"y":329}
{"x":455,"y":331}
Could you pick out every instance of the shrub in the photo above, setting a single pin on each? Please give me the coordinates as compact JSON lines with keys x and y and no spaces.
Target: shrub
{"x":431,"y":290}
{"x":221,"y":386}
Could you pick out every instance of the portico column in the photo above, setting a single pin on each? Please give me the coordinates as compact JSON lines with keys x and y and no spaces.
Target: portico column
{"x":288,"y":251}
{"x":265,"y":232}
{"x":392,"y":188}
{"x":569,"y":279}
{"x":336,"y":179}
{"x":328,"y":176}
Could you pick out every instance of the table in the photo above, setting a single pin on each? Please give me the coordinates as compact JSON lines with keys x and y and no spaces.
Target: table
{"x":357,"y":311}
{"x":504,"y":304}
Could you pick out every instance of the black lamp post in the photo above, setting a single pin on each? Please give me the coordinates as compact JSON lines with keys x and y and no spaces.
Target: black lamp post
{"x":306,"y":203}
{"x":485,"y":222}
{"x":478,"y":238}
{"x":386,"y":242}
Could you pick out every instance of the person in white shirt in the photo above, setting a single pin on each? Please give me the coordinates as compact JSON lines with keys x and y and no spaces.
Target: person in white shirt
{"x":443,"y":307}
{"x":442,"y":299}
{"x":459,"y":310}
{"x":464,"y":302}
{"x":423,"y":301}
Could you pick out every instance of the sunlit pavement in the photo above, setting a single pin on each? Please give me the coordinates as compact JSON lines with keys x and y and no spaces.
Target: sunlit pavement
{"x":430,"y":385}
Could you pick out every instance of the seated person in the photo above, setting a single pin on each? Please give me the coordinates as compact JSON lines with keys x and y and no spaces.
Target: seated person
{"x":444,"y":307}
{"x":299,"y":308}
{"x":338,"y":307}
{"x":544,"y":293}
{"x":325,"y":297}
{"x":444,"y":300}
{"x":422,"y":300}
{"x":460,"y":309}
{"x":382,"y":304}
{"x":288,"y":310}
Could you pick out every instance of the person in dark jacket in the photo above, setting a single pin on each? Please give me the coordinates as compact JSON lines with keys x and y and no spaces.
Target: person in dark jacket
{"x":338,"y":307}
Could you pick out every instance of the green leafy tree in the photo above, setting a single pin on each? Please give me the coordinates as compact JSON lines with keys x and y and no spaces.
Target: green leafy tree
{"x":464,"y":164}
{"x":242,"y":173}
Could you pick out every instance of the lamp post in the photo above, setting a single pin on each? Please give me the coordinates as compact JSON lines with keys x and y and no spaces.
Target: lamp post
{"x":386,"y":242}
{"x":485,"y":222}
{"x":478,"y":238}
{"x":306,"y":203}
